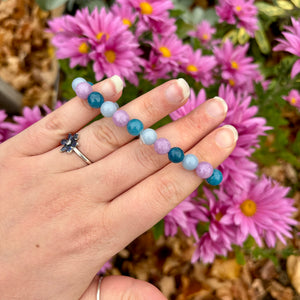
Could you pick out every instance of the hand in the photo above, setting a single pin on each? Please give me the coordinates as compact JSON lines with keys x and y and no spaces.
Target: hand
{"x":61,"y":220}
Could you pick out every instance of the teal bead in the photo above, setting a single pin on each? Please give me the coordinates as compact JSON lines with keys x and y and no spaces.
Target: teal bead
{"x":216,"y":178}
{"x":148,"y":136}
{"x":134,"y":127}
{"x":190,"y":162}
{"x":95,"y":99}
{"x":176,"y":155}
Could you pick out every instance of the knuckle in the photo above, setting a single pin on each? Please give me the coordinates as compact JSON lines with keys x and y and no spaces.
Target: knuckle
{"x":168,"y":191}
{"x":149,"y":109}
{"x":146,"y":157}
{"x":53,"y":122}
{"x":105,"y":134}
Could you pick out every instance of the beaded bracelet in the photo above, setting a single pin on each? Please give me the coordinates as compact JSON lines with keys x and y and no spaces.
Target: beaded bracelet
{"x":135,"y":127}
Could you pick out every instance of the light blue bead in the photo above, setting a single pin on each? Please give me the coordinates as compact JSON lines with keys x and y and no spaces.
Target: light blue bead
{"x":190,"y":162}
{"x":76,"y":81}
{"x":148,"y":136}
{"x":117,"y":105}
{"x":216,"y":178}
{"x":108,"y":108}
{"x":134,"y":127}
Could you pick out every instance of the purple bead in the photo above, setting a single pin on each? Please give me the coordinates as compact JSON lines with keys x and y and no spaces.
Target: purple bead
{"x":83,"y":89}
{"x":121,"y":118}
{"x":162,"y":146}
{"x":204,"y":170}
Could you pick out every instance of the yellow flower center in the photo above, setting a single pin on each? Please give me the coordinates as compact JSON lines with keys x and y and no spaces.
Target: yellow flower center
{"x":191,"y":68}
{"x":234,"y":65}
{"x":110,"y":56}
{"x":83,"y":48}
{"x":100,"y":34}
{"x":219,"y":216}
{"x":231,"y":82}
{"x":146,"y":8}
{"x":248,"y":208}
{"x":127,"y":22}
{"x":165,"y":51}
{"x":293,"y":100}
{"x":238,"y":8}
{"x":205,"y":36}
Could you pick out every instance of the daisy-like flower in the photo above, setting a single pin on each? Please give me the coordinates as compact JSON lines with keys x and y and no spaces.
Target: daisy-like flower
{"x":220,"y":237}
{"x":153,"y":15}
{"x":291,"y":44}
{"x":29,"y":117}
{"x":243,"y":13}
{"x":4,"y":127}
{"x":203,"y":32}
{"x":180,"y":217}
{"x":126,"y":13}
{"x":293,"y":98}
{"x":262,"y":211}
{"x":199,"y":66}
{"x":237,"y":69}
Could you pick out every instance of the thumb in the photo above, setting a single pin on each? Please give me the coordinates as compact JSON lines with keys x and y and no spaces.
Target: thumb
{"x":122,"y":287}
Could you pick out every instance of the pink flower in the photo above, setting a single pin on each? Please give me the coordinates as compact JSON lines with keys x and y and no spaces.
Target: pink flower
{"x":291,"y":44}
{"x":199,"y":66}
{"x":203,"y":32}
{"x":4,"y":127}
{"x":181,"y":217}
{"x":153,"y":16}
{"x":293,"y":98}
{"x":126,"y":13}
{"x":243,"y":13}
{"x":220,"y":237}
{"x":237,"y":69}
{"x":262,"y":211}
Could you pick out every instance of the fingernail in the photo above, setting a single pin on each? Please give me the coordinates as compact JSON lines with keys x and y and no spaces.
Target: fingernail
{"x":112,"y":86}
{"x":226,"y":136}
{"x":216,"y":107}
{"x":178,"y":91}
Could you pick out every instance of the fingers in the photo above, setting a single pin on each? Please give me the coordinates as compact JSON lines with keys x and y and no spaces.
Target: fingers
{"x":122,"y":287}
{"x":103,"y":137}
{"x":135,"y":161}
{"x":149,"y":201}
{"x":69,"y":118}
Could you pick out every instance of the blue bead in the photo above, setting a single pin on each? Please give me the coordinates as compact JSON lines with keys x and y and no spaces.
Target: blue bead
{"x":76,"y":81}
{"x":95,"y":99}
{"x":216,"y":178}
{"x":148,"y":136}
{"x":108,"y":108}
{"x":190,"y":162}
{"x":134,"y":127}
{"x":90,"y":83}
{"x":176,"y":155}
{"x":117,"y":105}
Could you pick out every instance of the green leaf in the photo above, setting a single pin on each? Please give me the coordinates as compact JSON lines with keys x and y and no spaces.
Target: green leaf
{"x":50,"y":4}
{"x":240,"y":257}
{"x":287,"y":5}
{"x":243,"y":36}
{"x":296,"y":3}
{"x":262,"y":41}
{"x":270,"y":10}
{"x":232,"y":35}
{"x":158,"y":229}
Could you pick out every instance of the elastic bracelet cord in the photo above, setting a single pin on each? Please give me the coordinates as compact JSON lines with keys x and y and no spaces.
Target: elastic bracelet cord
{"x":135,"y":127}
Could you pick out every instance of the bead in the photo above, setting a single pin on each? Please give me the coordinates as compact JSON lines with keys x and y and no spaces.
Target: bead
{"x":117,"y":105}
{"x":134,"y":127}
{"x":204,"y":170}
{"x":216,"y":178}
{"x":90,"y":83}
{"x":148,"y":136}
{"x":76,"y":81}
{"x":121,"y":118}
{"x":190,"y":162}
{"x":162,"y":146}
{"x":95,"y":99}
{"x":176,"y":155}
{"x":108,"y":108}
{"x":83,"y":89}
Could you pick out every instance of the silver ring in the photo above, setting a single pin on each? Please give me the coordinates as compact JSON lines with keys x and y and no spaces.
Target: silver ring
{"x":70,"y":145}
{"x":98,"y":289}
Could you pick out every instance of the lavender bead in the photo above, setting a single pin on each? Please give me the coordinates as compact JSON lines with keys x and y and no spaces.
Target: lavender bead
{"x":204,"y":170}
{"x":83,"y":89}
{"x":121,"y":118}
{"x":76,"y":81}
{"x":162,"y":146}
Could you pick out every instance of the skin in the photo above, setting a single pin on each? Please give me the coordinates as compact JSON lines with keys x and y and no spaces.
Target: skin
{"x":61,"y":220}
